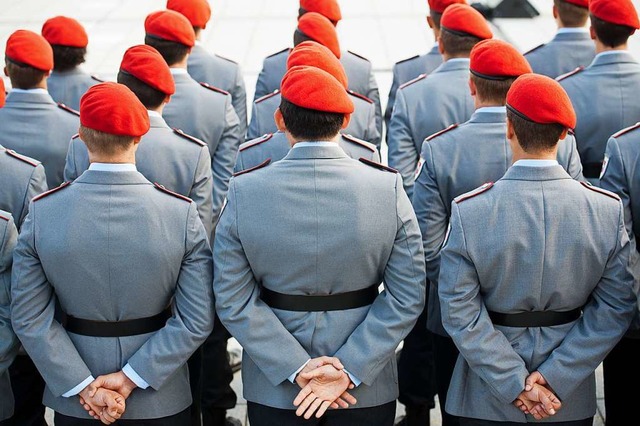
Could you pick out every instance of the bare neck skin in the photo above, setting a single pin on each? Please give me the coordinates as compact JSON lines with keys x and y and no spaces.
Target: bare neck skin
{"x":518,"y":153}
{"x":479,"y":102}
{"x":293,"y":140}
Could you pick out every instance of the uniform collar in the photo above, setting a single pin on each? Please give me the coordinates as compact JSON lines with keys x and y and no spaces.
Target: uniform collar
{"x":489,"y":115}
{"x":38,"y":91}
{"x":435,"y":49}
{"x":178,"y":71}
{"x":519,"y":172}
{"x":572,"y":34}
{"x":156,"y":120}
{"x":99,"y":177}
{"x":536,"y":163}
{"x":34,"y":96}
{"x":613,"y":57}
{"x":578,"y":30}
{"x":312,"y":144}
{"x":455,"y":64}
{"x":316,"y":150}
{"x":111,"y":167}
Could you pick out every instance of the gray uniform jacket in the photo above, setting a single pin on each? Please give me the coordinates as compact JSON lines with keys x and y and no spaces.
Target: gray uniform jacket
{"x":8,"y":341}
{"x":207,"y":114}
{"x":453,"y":163}
{"x":112,"y":247}
{"x":22,"y":179}
{"x":488,"y":267}
{"x":223,"y":73}
{"x":275,"y":146}
{"x":358,"y":69}
{"x":423,"y":108}
{"x":354,"y":227}
{"x":179,"y":162}
{"x":67,"y":87}
{"x":408,"y":69}
{"x":563,"y":54}
{"x":34,"y":125}
{"x":612,"y":79}
{"x":362,"y":124}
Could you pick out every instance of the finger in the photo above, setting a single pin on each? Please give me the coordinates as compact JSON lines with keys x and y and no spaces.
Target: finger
{"x":108,"y":417}
{"x":547,"y":404}
{"x":323,"y":408}
{"x":313,"y":408}
{"x":531,"y":380}
{"x":351,"y":386}
{"x":334,"y":405}
{"x":305,"y":404}
{"x":341,"y":403}
{"x":336,"y":363}
{"x":349,"y":398}
{"x":302,"y":395}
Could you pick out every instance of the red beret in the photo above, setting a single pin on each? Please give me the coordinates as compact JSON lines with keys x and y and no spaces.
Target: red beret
{"x":312,"y":54}
{"x":542,"y":100}
{"x":327,"y":8}
{"x":315,"y":89}
{"x":439,"y":6}
{"x":113,"y":108}
{"x":619,"y":12}
{"x":65,"y":31}
{"x":497,"y":60}
{"x":3,"y":93}
{"x":320,"y":29}
{"x":464,"y":19}
{"x":581,"y":3}
{"x":28,"y":48}
{"x":171,"y":26}
{"x":147,"y":65}
{"x":198,"y":12}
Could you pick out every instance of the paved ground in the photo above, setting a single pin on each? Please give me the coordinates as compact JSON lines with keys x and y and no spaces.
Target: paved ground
{"x":248,"y":30}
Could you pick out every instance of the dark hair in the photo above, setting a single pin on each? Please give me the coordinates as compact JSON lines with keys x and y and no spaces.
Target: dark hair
{"x":534,"y":137}
{"x":67,"y":58}
{"x":299,"y":37}
{"x":171,"y":51}
{"x":456,"y":44}
{"x":494,"y":91}
{"x":571,"y":15}
{"x":151,"y":98}
{"x":104,"y":143}
{"x":310,"y":125}
{"x":23,"y":76}
{"x":435,"y":17}
{"x":611,"y":35}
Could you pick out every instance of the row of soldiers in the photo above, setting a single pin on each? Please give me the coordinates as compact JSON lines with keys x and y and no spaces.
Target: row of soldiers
{"x":200,"y":167}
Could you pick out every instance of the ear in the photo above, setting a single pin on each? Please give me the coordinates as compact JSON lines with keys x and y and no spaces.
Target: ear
{"x":432,"y":24}
{"x":6,"y":71}
{"x":346,"y":121}
{"x":510,"y":132}
{"x":564,"y":134}
{"x":440,"y":46}
{"x":472,"y":87}
{"x":555,"y":12}
{"x":592,"y":31}
{"x":167,"y":99}
{"x":137,"y":140}
{"x":279,"y":119}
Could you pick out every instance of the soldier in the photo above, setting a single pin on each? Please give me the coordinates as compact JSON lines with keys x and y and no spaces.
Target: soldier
{"x":427,"y":105}
{"x":210,"y":68}
{"x":28,"y":61}
{"x":571,"y":47}
{"x":315,"y":290}
{"x":611,"y":77}
{"x":518,"y":327}
{"x":408,"y":69}
{"x":112,"y":212}
{"x":68,"y":39}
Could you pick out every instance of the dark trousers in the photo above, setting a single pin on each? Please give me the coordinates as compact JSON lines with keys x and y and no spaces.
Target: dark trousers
{"x":446,"y":355}
{"x":180,"y":419}
{"x":477,"y":422}
{"x":195,"y":381}
{"x":383,"y":415}
{"x":27,"y":386}
{"x":621,"y":368}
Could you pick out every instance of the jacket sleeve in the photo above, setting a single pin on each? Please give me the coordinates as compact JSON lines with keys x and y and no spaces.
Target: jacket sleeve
{"x":254,"y":125}
{"x":614,"y":179}
{"x":9,"y":343}
{"x":202,"y":191}
{"x":70,"y":166}
{"x":37,"y":185}
{"x":395,"y":84}
{"x":574,"y":164}
{"x":373,"y":133}
{"x":402,"y":153}
{"x":239,"y":100}
{"x":240,"y":308}
{"x":261,"y":83}
{"x":374,"y":94}
{"x":395,"y":310}
{"x":192,"y":319}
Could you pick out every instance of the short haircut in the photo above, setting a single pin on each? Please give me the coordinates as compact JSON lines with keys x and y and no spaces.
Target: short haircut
{"x":299,"y":37}
{"x":171,"y":51}
{"x":151,"y":98}
{"x":534,"y":137}
{"x":435,"y":17}
{"x":456,"y":44}
{"x":23,"y":76}
{"x":66,"y":58}
{"x":611,"y":35}
{"x":493,"y":91}
{"x":104,"y":143}
{"x":571,"y":15}
{"x":310,"y":125}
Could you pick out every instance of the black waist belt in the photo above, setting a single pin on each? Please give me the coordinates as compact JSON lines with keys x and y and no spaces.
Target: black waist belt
{"x":331,"y":302}
{"x":118,"y":328}
{"x":535,"y":319}
{"x":592,"y":170}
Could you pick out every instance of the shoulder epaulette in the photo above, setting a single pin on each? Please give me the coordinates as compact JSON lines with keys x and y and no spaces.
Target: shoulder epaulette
{"x":359,"y":56}
{"x":76,"y":136}
{"x":188,"y":137}
{"x":600,"y":190}
{"x":484,"y":188}
{"x":358,"y":95}
{"x":68,"y":109}
{"x":51,"y":191}
{"x":569,"y":74}
{"x":415,"y":80}
{"x":627,"y":130}
{"x":250,"y":169}
{"x":408,"y":59}
{"x":257,"y":141}
{"x":286,"y":49}
{"x":175,"y":194}
{"x":377,"y":165}
{"x":22,"y":158}
{"x":4,"y":218}
{"x":357,"y":141}
{"x":227,"y":59}
{"x":441,"y":132}
{"x":534,"y":49}
{"x":96,"y":78}
{"x":215,"y":89}
{"x":267,"y":96}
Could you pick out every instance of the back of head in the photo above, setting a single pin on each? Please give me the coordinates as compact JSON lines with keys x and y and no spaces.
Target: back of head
{"x":198,"y":12}
{"x":330,"y":9}
{"x":613,"y":21}
{"x":312,"y":54}
{"x":29,"y":58}
{"x":145,"y":73}
{"x":572,"y":13}
{"x":313,"y":26}
{"x":171,"y":34}
{"x":461,"y":28}
{"x":69,"y":41}
{"x":437,"y":8}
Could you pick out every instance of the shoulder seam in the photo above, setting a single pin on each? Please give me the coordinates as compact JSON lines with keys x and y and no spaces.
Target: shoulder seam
{"x":626,"y":130}
{"x":600,"y":190}
{"x":484,"y":188}
{"x":376,"y":165}
{"x":167,"y":191}
{"x":251,"y":169}
{"x":22,"y":158}
{"x":441,"y":132}
{"x":51,"y":191}
{"x":570,"y":73}
{"x":255,"y":142}
{"x":188,"y":137}
{"x":415,"y":80}
{"x":358,"y":142}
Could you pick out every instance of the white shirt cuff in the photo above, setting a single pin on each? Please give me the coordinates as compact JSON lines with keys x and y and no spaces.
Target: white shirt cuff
{"x":134,"y":377}
{"x":73,"y":392}
{"x":354,"y":379}
{"x":292,"y":378}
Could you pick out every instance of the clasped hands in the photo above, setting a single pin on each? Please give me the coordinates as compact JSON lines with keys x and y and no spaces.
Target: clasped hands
{"x":537,"y":398}
{"x":104,"y":399}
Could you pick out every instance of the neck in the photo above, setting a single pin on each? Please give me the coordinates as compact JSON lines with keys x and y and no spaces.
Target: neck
{"x":181,"y":64}
{"x":446,"y":57}
{"x":481,"y":103}
{"x":128,"y":157}
{"x":520,"y":154}
{"x":600,"y":47}
{"x":293,"y":140}
{"x":158,"y":109}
